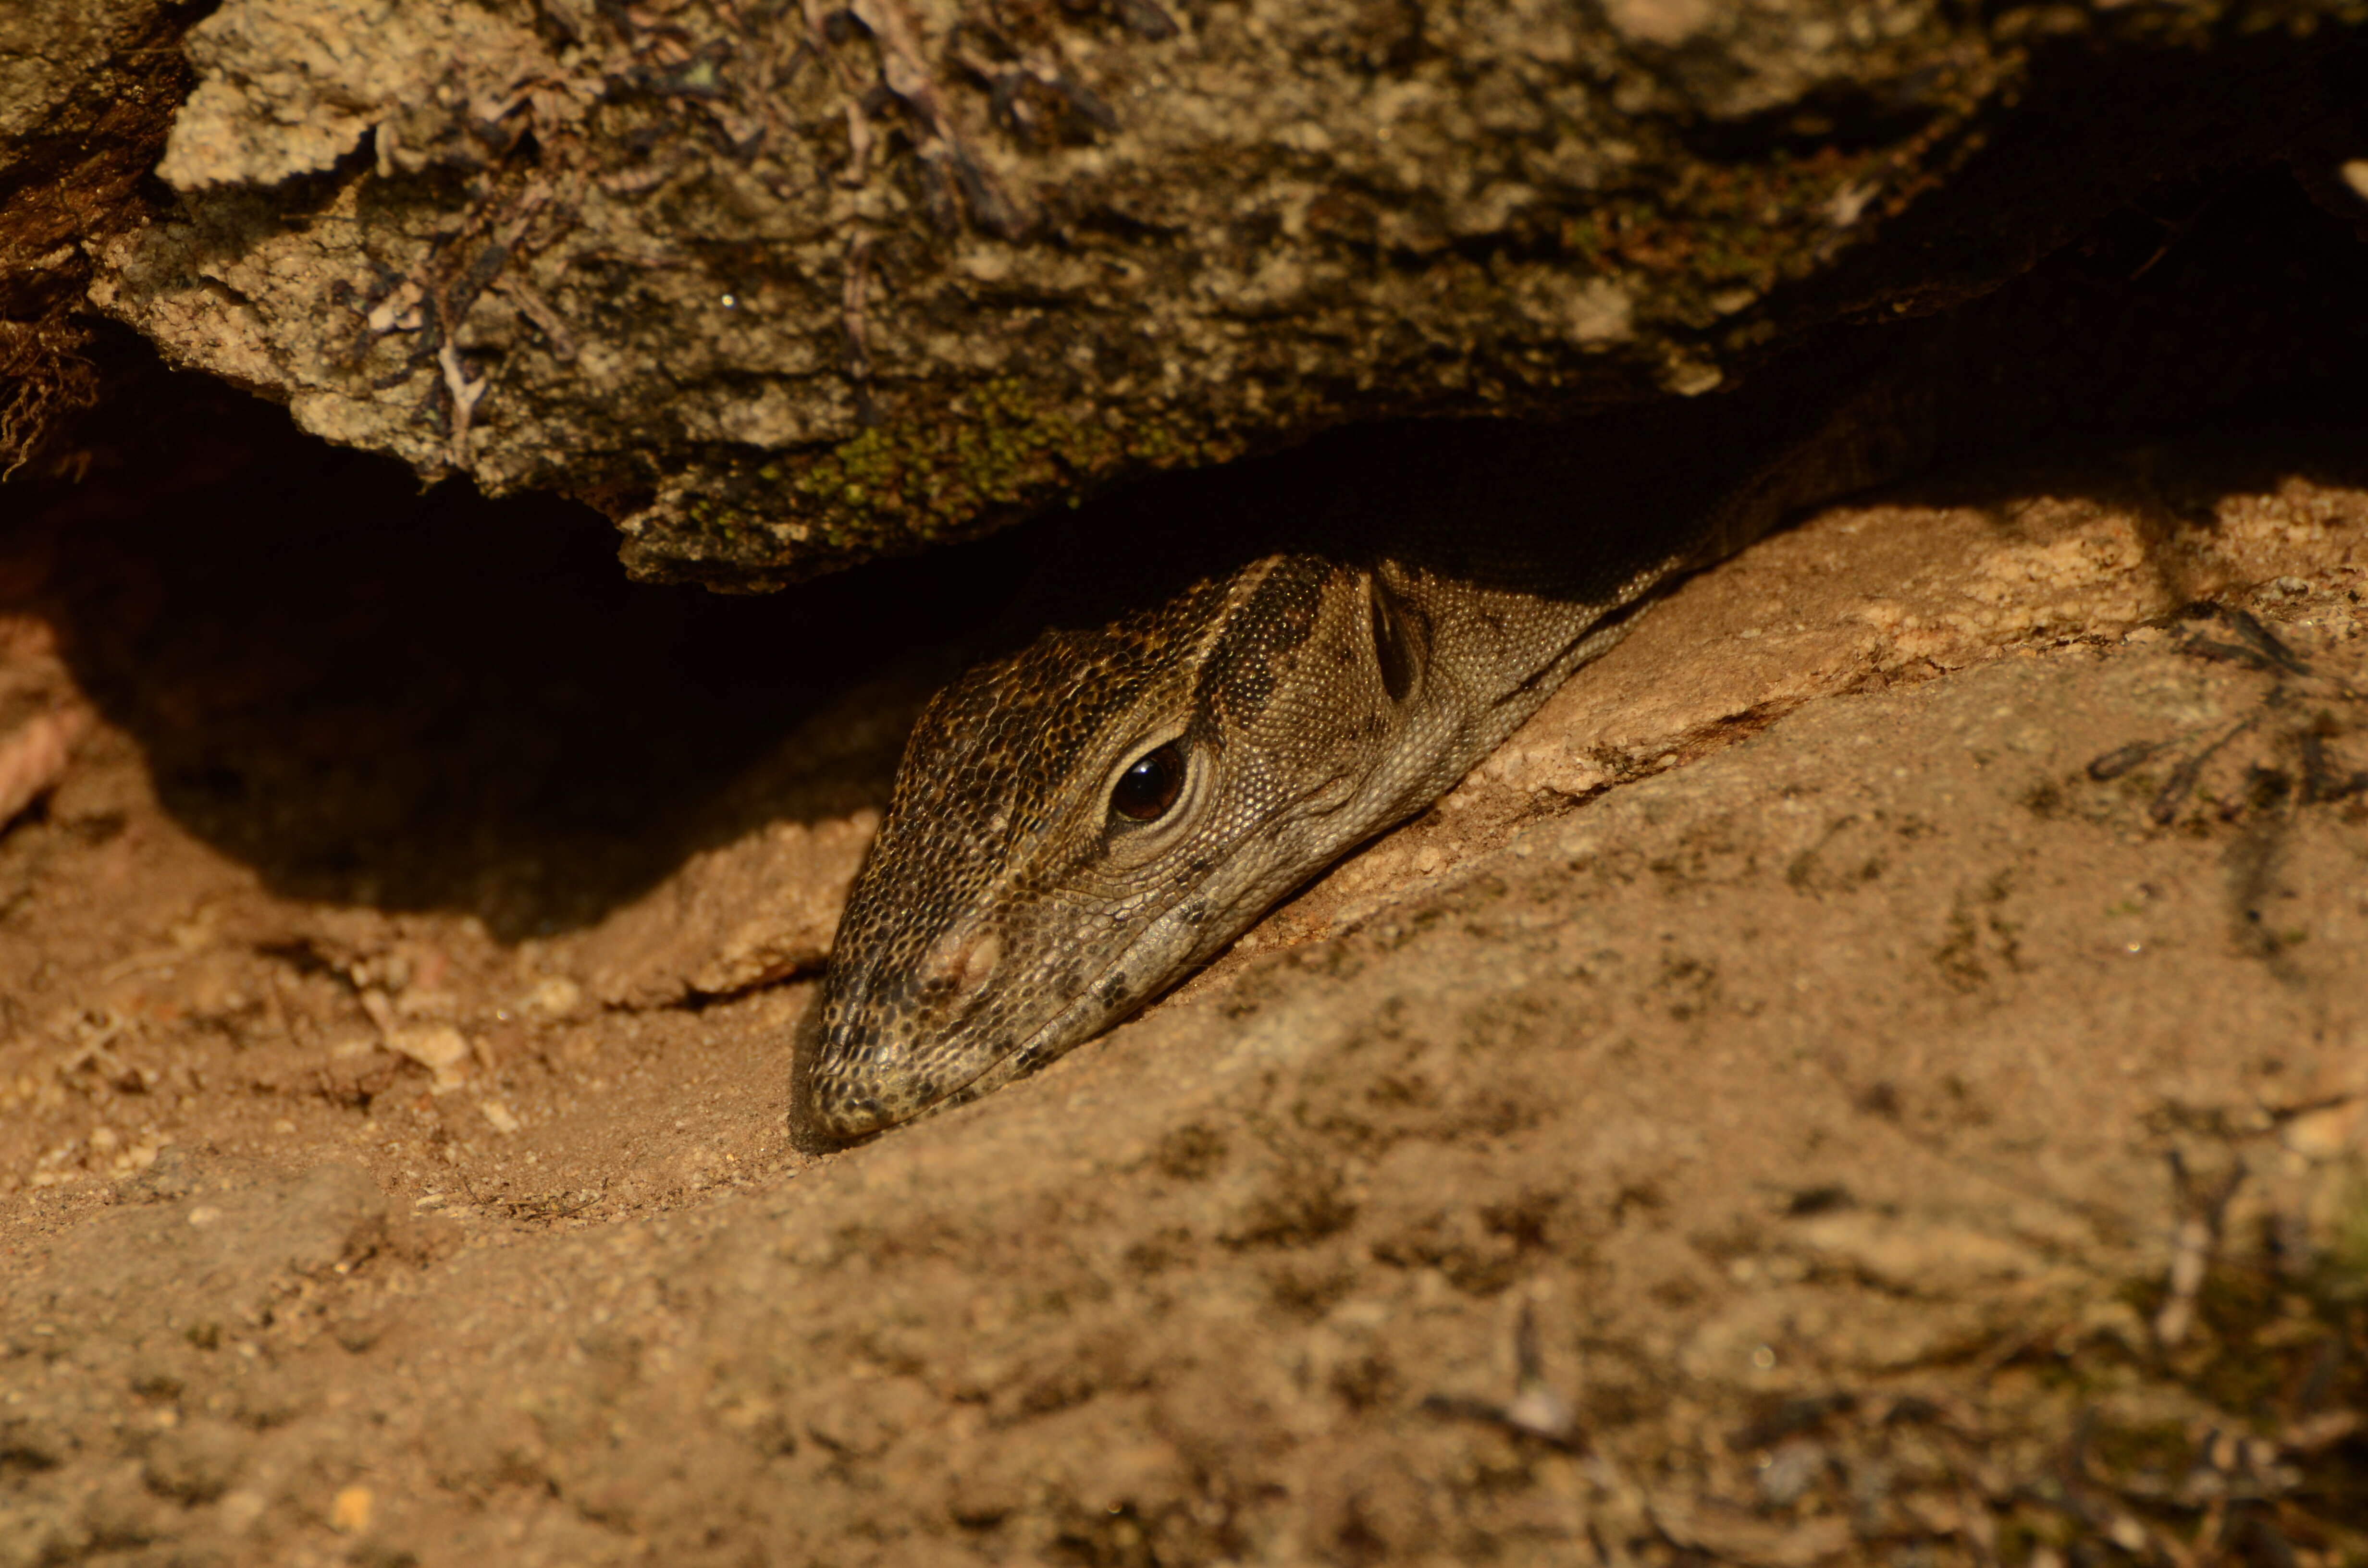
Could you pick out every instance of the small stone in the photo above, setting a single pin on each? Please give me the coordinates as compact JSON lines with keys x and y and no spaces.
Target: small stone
{"x":1788,"y":1473}
{"x":350,"y":1514}
{"x":1663,"y":22}
{"x":554,"y":997}
{"x":441,"y":1049}
{"x":33,"y":757}
{"x":2326,"y":1134}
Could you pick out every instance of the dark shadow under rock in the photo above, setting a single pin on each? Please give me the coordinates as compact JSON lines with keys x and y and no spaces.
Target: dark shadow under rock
{"x":433,"y":700}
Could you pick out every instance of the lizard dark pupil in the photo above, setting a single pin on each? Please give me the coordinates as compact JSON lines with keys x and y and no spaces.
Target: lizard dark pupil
{"x":1144,"y":791}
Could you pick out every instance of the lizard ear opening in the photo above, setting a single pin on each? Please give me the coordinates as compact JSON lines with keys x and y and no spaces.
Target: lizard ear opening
{"x":1393,"y":652}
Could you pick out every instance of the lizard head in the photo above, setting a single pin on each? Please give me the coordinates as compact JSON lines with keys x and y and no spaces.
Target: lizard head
{"x":1077,"y":824}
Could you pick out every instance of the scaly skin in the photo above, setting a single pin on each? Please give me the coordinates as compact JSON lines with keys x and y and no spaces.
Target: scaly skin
{"x":1358,"y":630}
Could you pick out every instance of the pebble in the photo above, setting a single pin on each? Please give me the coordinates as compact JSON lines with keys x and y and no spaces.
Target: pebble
{"x":2324,"y":1134}
{"x":350,"y":1513}
{"x":440,"y":1050}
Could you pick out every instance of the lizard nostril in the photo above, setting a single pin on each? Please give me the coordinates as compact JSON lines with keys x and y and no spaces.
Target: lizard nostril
{"x":959,"y":964}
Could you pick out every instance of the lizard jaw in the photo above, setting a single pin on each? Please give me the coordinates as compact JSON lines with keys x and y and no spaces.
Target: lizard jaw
{"x":852,"y":1096}
{"x":1161,"y":956}
{"x":1085,"y":1016}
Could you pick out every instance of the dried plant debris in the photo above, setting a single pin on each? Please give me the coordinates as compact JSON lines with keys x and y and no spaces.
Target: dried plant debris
{"x":2289,"y":751}
{"x":2263,"y":1461}
{"x":1536,"y":1409}
{"x":2248,"y":1445}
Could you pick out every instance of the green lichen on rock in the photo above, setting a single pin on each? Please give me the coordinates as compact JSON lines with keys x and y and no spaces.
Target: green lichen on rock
{"x":994,"y":452}
{"x":992,"y":448}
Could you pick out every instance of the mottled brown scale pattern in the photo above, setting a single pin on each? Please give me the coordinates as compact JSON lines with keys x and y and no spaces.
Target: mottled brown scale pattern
{"x":1330,"y":645}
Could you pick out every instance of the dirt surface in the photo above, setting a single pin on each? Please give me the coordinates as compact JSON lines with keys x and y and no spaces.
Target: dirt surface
{"x":1877,"y":1070}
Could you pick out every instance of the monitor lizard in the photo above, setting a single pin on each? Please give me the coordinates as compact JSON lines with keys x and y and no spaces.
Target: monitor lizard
{"x":1239,"y":680}
{"x":1229,"y":680}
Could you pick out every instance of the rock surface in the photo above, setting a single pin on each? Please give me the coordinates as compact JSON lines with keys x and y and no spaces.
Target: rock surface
{"x":780,"y":288}
{"x":1765,"y":1115}
{"x":731,"y":918}
{"x":87,"y":92}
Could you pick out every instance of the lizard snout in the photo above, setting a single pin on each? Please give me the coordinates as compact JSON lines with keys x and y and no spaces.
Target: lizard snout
{"x":889,"y":1053}
{"x":862,"y":1080}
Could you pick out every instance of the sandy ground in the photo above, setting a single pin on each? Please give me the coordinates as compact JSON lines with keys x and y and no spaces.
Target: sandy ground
{"x":1877,"y":1071}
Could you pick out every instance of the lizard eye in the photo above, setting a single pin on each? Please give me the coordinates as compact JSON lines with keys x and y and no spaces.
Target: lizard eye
{"x":1144,"y":791}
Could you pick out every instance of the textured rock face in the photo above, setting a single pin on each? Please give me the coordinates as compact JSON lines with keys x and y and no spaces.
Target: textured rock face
{"x":780,"y":288}
{"x":45,"y":53}
{"x":84,"y":92}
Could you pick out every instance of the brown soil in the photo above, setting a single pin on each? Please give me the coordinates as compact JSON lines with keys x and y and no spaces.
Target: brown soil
{"x":1878,"y":1070}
